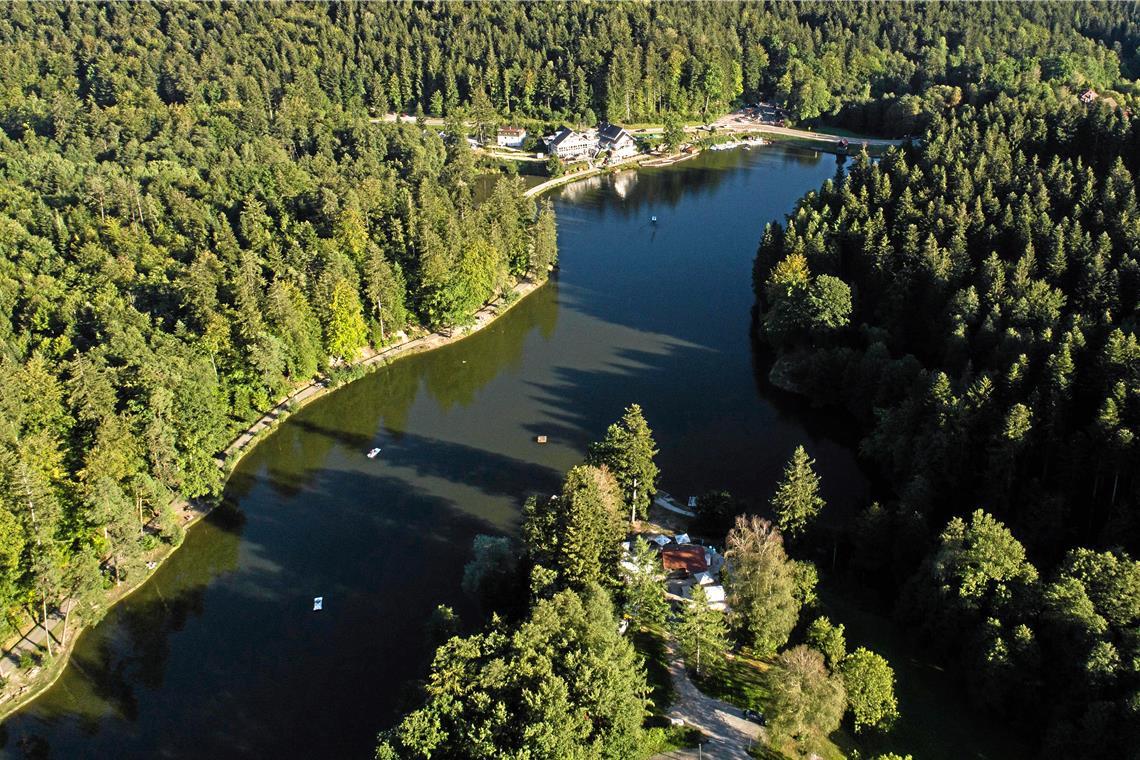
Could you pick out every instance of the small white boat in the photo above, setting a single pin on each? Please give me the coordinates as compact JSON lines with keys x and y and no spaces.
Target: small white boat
{"x":318,"y":603}
{"x":653,"y":219}
{"x":372,"y":454}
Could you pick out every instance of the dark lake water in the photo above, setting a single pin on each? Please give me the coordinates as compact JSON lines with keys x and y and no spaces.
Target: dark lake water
{"x":221,"y":655}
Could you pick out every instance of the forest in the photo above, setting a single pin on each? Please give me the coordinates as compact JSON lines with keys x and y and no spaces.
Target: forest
{"x":199,"y":210}
{"x":172,"y":266}
{"x":973,"y":303}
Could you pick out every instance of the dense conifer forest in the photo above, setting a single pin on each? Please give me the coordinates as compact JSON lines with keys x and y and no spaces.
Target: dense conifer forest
{"x":199,"y":210}
{"x":973,"y":301}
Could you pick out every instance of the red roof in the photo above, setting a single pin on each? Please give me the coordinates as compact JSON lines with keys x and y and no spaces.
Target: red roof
{"x":688,"y":557}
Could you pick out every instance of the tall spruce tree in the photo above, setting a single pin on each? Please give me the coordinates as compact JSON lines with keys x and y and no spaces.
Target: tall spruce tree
{"x":544,"y":252}
{"x":578,"y":533}
{"x":645,"y":604}
{"x":628,"y":450}
{"x":797,"y":500}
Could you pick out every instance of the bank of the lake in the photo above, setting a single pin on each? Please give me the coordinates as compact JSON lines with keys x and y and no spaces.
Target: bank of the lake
{"x":221,"y":655}
{"x":21,"y":690}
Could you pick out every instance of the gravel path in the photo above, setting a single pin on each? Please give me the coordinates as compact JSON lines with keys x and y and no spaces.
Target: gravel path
{"x":729,"y":734}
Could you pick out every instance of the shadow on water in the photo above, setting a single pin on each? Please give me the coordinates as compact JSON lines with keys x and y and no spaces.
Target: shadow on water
{"x":375,"y":410}
{"x":224,"y":586}
{"x":221,"y":655}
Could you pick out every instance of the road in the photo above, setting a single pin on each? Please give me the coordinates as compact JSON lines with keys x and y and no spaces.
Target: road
{"x":731,"y":122}
{"x":737,"y":122}
{"x":729,"y":736}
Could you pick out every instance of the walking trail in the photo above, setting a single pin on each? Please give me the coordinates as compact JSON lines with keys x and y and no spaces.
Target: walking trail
{"x":729,"y":735}
{"x":35,"y":639}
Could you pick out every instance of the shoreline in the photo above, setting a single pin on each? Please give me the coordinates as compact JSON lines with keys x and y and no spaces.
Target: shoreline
{"x":190,"y":512}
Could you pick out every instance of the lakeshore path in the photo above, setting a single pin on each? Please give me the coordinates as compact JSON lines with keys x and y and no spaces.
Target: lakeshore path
{"x":729,"y":735}
{"x":307,"y":393}
{"x":35,"y":639}
{"x":31,"y":642}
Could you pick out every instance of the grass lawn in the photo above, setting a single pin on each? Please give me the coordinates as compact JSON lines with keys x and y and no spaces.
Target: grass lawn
{"x":741,"y":680}
{"x":650,"y":643}
{"x":668,"y":738}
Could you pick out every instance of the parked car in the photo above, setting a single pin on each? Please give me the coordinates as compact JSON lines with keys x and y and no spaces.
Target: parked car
{"x":754,"y":716}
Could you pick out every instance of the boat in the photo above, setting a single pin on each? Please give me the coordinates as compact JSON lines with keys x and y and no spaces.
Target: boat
{"x":653,"y":220}
{"x":372,"y":454}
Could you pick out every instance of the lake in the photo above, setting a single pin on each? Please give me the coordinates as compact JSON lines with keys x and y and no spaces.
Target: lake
{"x":221,"y":653}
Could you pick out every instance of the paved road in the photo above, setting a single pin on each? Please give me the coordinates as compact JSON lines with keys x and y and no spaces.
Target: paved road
{"x":729,"y":735}
{"x":732,"y":122}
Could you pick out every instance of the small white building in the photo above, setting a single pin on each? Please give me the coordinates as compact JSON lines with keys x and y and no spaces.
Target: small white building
{"x":704,"y":578}
{"x":617,"y":141}
{"x":511,"y":137}
{"x":714,"y":595}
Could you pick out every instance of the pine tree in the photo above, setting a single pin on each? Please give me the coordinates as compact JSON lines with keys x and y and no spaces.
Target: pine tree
{"x":578,"y":533}
{"x":345,"y":331}
{"x":590,"y":528}
{"x":628,"y":451}
{"x":701,"y":632}
{"x":645,"y":603}
{"x":544,"y":253}
{"x":386,"y":290}
{"x":797,"y":500}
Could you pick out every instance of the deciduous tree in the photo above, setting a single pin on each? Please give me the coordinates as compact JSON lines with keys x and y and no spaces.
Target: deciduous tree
{"x":761,"y":584}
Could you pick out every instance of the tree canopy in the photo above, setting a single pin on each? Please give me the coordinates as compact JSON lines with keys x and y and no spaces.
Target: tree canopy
{"x":761,"y":584}
{"x":797,"y":500}
{"x":563,"y":684}
{"x":627,"y":450}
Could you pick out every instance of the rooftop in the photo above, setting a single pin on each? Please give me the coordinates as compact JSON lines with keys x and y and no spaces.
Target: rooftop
{"x":688,"y":557}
